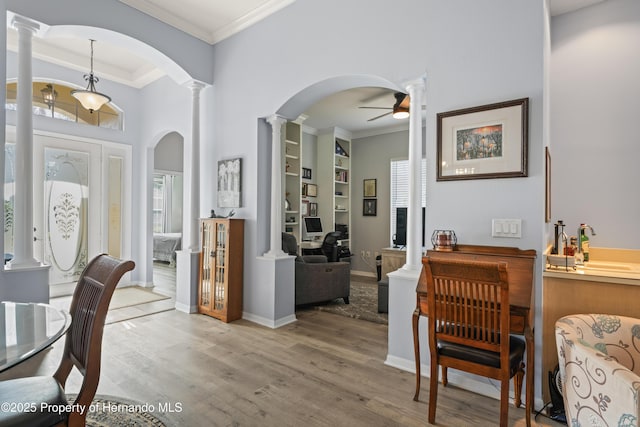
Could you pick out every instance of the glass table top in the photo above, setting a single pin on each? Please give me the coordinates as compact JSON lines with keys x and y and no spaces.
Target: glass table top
{"x":28,"y":328}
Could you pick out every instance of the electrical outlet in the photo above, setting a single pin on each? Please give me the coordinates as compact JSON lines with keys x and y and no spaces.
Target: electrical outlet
{"x":368,"y":254}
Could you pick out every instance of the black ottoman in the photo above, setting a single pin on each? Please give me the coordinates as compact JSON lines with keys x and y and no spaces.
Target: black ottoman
{"x":383,"y":296}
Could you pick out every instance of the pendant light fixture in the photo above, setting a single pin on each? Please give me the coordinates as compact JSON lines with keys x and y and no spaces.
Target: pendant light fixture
{"x":90,"y":98}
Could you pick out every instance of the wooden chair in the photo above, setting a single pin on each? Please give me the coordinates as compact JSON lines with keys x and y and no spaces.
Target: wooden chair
{"x":468,"y":303}
{"x":82,"y":349}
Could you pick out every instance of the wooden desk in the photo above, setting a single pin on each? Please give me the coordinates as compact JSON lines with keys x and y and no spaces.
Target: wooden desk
{"x":520,"y":267}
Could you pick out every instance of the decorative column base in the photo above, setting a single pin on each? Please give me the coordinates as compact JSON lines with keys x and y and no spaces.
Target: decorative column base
{"x":402,"y":303}
{"x":187,"y":266}
{"x":275,"y":304}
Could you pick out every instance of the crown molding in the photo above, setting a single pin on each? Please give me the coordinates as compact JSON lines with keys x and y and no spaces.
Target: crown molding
{"x":206,"y":34}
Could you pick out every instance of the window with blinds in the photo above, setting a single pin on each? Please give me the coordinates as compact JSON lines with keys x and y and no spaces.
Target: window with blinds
{"x":400,"y":189}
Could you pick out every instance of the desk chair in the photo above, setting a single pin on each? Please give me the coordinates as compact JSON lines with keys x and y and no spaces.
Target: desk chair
{"x":82,"y":349}
{"x":468,"y":327}
{"x":330,"y":246}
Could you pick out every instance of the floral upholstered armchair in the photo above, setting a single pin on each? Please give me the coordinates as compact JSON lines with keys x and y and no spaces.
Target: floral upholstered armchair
{"x":599,"y":358}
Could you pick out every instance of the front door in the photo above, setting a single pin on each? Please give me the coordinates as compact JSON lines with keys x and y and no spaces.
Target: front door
{"x":67,"y":202}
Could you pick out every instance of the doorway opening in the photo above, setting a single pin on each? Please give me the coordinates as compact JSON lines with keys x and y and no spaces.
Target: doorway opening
{"x":167,"y":216}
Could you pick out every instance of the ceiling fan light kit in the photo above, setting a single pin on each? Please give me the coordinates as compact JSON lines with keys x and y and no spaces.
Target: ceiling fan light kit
{"x":400,"y":113}
{"x":400,"y":109}
{"x":91,"y":99}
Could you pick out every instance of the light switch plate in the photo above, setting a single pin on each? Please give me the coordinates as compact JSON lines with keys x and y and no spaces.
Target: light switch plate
{"x":506,"y":228}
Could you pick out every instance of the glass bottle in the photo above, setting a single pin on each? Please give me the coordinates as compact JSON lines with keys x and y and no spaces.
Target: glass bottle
{"x":584,"y":243}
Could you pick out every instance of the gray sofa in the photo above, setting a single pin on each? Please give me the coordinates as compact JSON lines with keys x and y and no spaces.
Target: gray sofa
{"x":316,"y":279}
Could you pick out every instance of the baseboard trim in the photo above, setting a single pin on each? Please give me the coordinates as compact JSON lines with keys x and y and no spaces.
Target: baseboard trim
{"x":185,"y":308}
{"x":273,"y":324}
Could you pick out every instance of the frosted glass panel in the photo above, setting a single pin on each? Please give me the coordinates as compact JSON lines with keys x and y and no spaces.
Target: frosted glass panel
{"x":66,"y":201}
{"x":9,"y":190}
{"x":115,"y":206}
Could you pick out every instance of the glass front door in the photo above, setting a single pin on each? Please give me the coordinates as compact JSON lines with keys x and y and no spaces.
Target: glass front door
{"x":67,"y":203}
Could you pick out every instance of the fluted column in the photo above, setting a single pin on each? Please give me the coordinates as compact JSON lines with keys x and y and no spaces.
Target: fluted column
{"x":414,"y":211}
{"x":275,"y":250}
{"x":194,"y":189}
{"x":23,"y":199}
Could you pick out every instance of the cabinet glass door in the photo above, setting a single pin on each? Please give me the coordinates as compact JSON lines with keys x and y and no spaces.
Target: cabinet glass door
{"x":220,"y":258}
{"x":207,"y":263}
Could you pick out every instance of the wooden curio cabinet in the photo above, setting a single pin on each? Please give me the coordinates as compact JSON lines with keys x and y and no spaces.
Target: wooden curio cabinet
{"x":221,"y":263}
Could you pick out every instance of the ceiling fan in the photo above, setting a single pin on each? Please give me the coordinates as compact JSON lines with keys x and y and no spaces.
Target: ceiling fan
{"x":400,"y":109}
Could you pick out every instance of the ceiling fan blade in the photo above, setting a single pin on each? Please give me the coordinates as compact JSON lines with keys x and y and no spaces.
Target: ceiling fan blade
{"x":380,"y":116}
{"x":378,"y":108}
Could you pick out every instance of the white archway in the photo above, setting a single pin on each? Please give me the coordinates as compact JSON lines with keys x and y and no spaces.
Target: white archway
{"x":275,"y":270}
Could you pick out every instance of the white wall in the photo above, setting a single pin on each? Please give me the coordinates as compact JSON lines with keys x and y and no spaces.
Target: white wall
{"x":168,"y":156}
{"x":595,"y":64}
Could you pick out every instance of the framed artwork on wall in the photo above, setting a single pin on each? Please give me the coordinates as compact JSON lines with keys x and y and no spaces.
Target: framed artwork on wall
{"x":306,"y":173}
{"x":313,"y":209}
{"x":489,"y":141}
{"x":547,"y":185}
{"x":229,"y":183}
{"x":369,"y":189}
{"x":370,"y":207}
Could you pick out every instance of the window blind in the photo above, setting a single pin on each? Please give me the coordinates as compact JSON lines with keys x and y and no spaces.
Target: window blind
{"x":400,"y":188}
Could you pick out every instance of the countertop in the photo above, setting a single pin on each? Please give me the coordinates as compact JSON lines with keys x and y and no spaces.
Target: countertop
{"x":607,"y":265}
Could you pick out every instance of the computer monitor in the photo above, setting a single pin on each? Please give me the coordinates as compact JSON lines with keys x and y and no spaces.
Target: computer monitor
{"x":311,"y":228}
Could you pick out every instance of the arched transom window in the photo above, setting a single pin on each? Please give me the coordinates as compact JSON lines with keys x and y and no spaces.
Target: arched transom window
{"x":54,"y":100}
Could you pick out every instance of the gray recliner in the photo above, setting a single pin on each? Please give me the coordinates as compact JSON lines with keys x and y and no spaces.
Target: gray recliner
{"x":317,"y":280}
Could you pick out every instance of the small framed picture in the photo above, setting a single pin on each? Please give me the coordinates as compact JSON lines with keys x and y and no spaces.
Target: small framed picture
{"x":370,"y":207}
{"x":304,"y":208}
{"x":369,"y":188}
{"x":306,"y":173}
{"x":312,"y":190}
{"x":313,"y":209}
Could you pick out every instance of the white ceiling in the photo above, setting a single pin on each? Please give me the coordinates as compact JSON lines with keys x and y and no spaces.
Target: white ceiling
{"x":209,"y":20}
{"x":213,"y":21}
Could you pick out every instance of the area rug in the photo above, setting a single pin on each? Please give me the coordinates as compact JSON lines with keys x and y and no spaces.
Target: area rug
{"x":133,"y":295}
{"x":363,"y":303}
{"x":111,"y":411}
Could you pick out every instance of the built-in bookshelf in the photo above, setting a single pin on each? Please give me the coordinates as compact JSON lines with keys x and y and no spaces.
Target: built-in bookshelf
{"x":292,"y":133}
{"x":334,"y":181}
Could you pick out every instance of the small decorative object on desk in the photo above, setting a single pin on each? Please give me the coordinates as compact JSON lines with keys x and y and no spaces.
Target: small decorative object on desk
{"x":215,"y":215}
{"x":444,"y":240}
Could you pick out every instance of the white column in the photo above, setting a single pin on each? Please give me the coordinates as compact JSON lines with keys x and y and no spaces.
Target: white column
{"x":414,"y":211}
{"x":275,"y":250}
{"x":193,"y":232}
{"x":23,"y":199}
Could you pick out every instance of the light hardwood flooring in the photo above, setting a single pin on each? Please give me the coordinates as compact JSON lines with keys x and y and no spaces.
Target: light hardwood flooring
{"x":323,"y":370}
{"x":164,"y":278}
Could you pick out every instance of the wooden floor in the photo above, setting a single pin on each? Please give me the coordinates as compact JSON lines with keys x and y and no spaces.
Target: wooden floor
{"x":323,"y":370}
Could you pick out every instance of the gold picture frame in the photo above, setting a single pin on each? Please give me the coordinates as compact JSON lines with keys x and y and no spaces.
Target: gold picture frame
{"x":369,"y":187}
